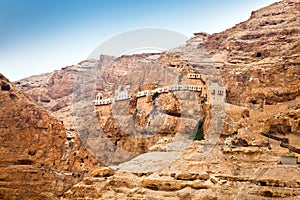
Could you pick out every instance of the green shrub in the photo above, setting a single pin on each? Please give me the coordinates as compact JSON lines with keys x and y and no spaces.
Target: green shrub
{"x":154,"y":96}
{"x":198,"y":134}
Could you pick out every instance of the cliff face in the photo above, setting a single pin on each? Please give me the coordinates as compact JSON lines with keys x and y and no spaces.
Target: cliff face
{"x":257,"y":60}
{"x":260,"y":57}
{"x":38,"y":158}
{"x":259,"y":64}
{"x":135,"y":125}
{"x":54,"y":91}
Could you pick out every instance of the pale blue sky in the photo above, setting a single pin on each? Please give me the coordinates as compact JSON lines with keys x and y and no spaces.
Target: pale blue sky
{"x":39,"y":36}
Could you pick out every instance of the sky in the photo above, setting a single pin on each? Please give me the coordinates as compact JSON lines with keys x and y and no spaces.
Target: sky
{"x":38,"y":36}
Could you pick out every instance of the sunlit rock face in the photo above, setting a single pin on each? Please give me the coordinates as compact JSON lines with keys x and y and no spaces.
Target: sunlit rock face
{"x":260,"y":57}
{"x":39,"y":159}
{"x":254,"y":156}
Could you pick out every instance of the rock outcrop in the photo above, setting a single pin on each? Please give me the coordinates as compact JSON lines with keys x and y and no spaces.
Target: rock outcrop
{"x":257,"y":60}
{"x":39,"y":159}
{"x":54,"y":91}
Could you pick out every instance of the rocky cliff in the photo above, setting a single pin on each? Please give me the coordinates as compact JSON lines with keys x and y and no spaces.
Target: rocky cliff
{"x":261,"y":56}
{"x":54,"y":90}
{"x":258,"y":62}
{"x":39,"y":159}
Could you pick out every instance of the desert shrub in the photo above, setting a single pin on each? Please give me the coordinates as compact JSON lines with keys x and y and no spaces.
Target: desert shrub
{"x":154,"y":96}
{"x":198,"y":134}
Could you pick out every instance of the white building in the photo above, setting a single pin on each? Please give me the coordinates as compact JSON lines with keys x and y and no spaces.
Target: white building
{"x":143,"y":93}
{"x":217,"y":93}
{"x":122,"y":94}
{"x":194,"y":76}
{"x":100,"y":101}
{"x":157,"y":90}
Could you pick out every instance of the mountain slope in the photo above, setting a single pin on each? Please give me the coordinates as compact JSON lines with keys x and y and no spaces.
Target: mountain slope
{"x":260,"y":57}
{"x":259,"y":63}
{"x":38,"y":158}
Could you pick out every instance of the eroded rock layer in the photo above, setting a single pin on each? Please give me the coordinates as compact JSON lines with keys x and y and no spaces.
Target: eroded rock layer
{"x":255,"y":156}
{"x":38,"y":158}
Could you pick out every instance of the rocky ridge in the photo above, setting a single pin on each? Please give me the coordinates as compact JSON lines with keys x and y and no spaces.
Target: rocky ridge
{"x":39,"y":158}
{"x":262,"y":85}
{"x":260,"y":55}
{"x":258,"y":61}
